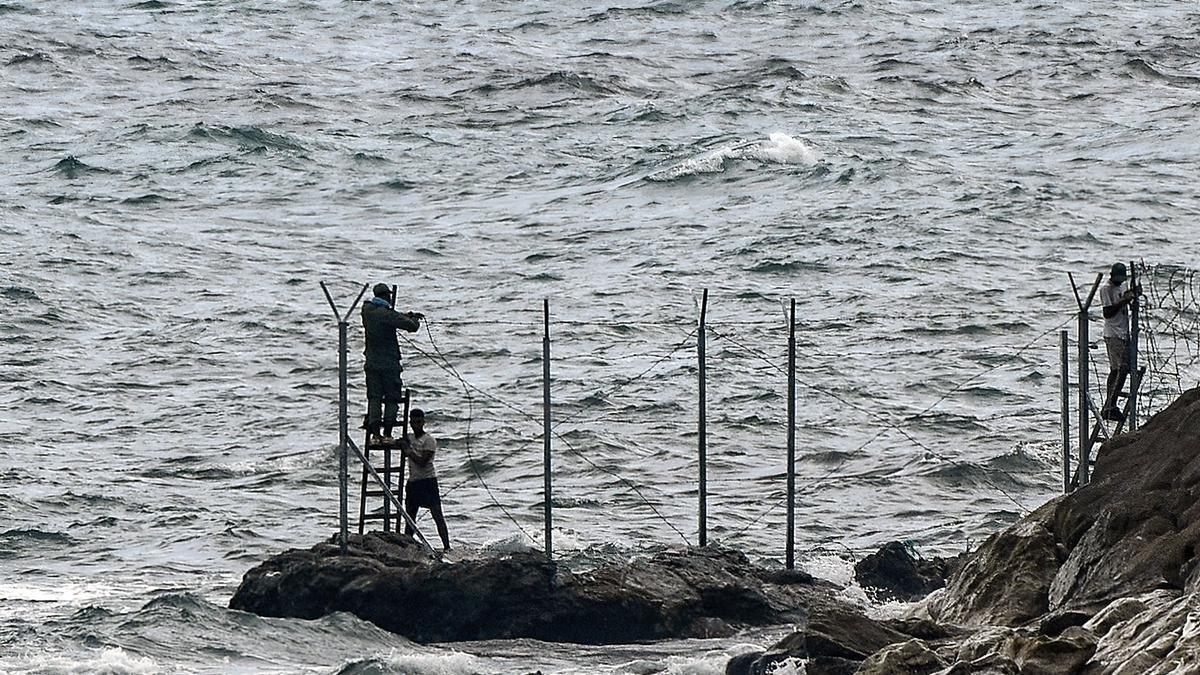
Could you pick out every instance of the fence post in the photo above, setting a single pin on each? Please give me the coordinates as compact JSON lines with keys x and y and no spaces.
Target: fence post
{"x":1085,"y":467}
{"x":343,"y":419}
{"x":702,"y":422}
{"x":546,"y":423}
{"x":1064,"y":378}
{"x":1082,"y":379}
{"x":343,"y":429}
{"x":791,"y":439}
{"x":1134,"y":335}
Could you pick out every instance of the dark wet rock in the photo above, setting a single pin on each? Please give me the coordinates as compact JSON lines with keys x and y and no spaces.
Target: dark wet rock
{"x":388,"y":580}
{"x":922,"y":628}
{"x":833,"y":640}
{"x":1055,"y":623}
{"x":896,"y":572}
{"x":743,"y":664}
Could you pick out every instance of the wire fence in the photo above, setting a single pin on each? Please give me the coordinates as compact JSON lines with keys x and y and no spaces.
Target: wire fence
{"x":1170,"y":333}
{"x":624,"y":413}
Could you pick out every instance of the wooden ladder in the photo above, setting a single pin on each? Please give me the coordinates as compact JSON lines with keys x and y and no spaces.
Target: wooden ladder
{"x":370,"y":490}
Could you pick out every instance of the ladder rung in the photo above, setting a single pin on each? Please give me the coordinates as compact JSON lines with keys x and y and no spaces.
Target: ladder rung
{"x":380,"y":516}
{"x":380,"y":493}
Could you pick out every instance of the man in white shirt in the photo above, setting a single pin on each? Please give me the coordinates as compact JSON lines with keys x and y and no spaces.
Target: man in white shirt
{"x":1116,"y":299}
{"x":421,"y":490}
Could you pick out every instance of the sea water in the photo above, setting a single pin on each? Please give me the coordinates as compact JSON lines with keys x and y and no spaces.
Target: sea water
{"x":919,"y":177}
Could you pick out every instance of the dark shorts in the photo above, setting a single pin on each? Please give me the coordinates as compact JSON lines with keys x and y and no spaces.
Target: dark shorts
{"x":1118,"y":353}
{"x":422,"y":494}
{"x":384,"y":384}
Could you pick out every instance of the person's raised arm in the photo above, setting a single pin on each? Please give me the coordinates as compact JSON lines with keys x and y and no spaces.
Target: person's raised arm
{"x":405,"y":321}
{"x":1127,"y":297}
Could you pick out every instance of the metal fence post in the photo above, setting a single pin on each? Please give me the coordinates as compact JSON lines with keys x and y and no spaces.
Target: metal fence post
{"x":702,"y":422}
{"x":549,"y":516}
{"x":791,"y":439}
{"x":1064,"y":378}
{"x":1134,"y":335}
{"x":343,"y":430}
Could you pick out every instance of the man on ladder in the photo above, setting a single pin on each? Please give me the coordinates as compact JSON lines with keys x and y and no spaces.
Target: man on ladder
{"x":1116,"y":299}
{"x":385,"y":388}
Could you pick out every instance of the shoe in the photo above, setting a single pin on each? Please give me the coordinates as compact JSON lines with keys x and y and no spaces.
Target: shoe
{"x":375,"y":439}
{"x":1112,"y":415}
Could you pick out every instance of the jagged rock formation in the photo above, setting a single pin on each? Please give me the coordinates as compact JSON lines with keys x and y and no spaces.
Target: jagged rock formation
{"x":1105,"y":580}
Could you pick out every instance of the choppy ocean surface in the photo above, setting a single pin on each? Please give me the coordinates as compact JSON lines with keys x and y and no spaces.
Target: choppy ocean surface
{"x":919,"y":176}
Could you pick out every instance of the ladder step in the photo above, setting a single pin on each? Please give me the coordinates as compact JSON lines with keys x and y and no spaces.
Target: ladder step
{"x":379,"y":516}
{"x":388,"y":471}
{"x":379,"y":493}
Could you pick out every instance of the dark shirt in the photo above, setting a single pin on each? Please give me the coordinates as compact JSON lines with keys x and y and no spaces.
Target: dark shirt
{"x":380,"y":323}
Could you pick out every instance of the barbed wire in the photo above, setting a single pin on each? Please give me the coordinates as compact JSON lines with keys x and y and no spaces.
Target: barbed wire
{"x":1170,"y":323}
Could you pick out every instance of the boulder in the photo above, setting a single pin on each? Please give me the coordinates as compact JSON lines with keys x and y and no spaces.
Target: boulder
{"x":834,"y":640}
{"x":896,"y":572}
{"x":1026,"y":651}
{"x":1155,"y":633}
{"x":914,"y":657}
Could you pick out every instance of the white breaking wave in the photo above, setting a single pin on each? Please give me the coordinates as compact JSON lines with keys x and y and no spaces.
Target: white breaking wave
{"x":452,"y":663}
{"x":779,"y":148}
{"x":110,"y":661}
{"x":783,"y":149}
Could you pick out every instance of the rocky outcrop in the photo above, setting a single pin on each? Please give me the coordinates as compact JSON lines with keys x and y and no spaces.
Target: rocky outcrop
{"x":387,"y":579}
{"x":1103,"y":581}
{"x":1135,"y":528}
{"x":1007,"y":580}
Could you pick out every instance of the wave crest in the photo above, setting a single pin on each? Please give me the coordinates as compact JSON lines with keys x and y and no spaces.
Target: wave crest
{"x":779,"y":148}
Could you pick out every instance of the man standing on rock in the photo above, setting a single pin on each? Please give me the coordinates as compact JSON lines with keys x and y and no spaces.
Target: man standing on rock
{"x":385,"y":388}
{"x":422,"y":487}
{"x":1116,"y":299}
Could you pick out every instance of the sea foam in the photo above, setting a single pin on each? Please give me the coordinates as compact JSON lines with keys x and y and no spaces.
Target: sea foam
{"x":111,"y":661}
{"x":779,"y":148}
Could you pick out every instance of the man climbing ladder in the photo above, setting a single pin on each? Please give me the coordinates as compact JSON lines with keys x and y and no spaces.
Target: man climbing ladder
{"x":1116,"y":299}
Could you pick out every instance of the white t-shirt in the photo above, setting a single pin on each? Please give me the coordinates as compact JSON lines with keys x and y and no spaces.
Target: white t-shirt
{"x":1116,"y":326}
{"x":425,"y":443}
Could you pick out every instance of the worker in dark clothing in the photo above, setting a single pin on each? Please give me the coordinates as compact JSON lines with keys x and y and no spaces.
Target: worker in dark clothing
{"x":385,"y":389}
